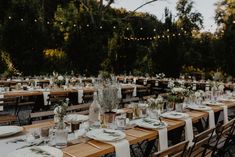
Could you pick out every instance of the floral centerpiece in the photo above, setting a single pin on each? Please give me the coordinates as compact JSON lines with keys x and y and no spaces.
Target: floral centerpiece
{"x":160,"y":76}
{"x":60,"y":111}
{"x":155,"y":103}
{"x":177,"y":94}
{"x":58,"y":79}
{"x":109,"y":101}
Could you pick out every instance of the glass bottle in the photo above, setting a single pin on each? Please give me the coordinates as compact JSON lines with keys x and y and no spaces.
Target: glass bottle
{"x":94,"y":110}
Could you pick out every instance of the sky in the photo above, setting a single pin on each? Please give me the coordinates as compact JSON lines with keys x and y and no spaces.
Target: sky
{"x":205,"y":7}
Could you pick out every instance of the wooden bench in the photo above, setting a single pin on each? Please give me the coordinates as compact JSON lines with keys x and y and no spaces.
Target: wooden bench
{"x":48,"y":115}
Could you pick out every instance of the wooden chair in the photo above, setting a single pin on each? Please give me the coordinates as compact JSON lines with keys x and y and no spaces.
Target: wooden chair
{"x":178,"y":150}
{"x":223,"y":138}
{"x":201,"y":140}
{"x":9,"y":113}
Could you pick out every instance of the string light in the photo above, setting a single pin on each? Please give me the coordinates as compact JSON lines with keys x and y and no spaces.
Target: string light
{"x":88,"y":25}
{"x":48,"y":22}
{"x":101,"y":27}
{"x":114,"y":27}
{"x":35,"y":20}
{"x":21,"y":19}
{"x":141,"y":28}
{"x":9,"y":17}
{"x":74,"y":25}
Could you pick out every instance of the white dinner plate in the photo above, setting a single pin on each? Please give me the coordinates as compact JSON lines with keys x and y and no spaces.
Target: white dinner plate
{"x":9,"y":130}
{"x":106,"y":135}
{"x":37,"y":151}
{"x":213,"y":103}
{"x":199,"y":107}
{"x":150,"y":123}
{"x":76,"y":118}
{"x":223,"y":99}
{"x":174,"y":115}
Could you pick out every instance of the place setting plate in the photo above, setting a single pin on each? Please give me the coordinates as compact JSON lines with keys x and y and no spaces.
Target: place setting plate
{"x":175,"y":115}
{"x":76,"y":118}
{"x":213,"y":103}
{"x":9,"y":130}
{"x":150,"y":123}
{"x":37,"y":151}
{"x":199,"y":107}
{"x":106,"y":135}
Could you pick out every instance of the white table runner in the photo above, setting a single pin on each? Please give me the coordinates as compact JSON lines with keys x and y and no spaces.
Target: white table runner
{"x":45,"y":98}
{"x":1,"y":102}
{"x":122,"y":148}
{"x":189,"y":130}
{"x":211,"y":119}
{"x":80,"y":96}
{"x":225,"y":113}
{"x":163,"y":139}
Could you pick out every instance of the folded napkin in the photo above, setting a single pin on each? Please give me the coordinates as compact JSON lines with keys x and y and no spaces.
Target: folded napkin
{"x":124,"y":80}
{"x":163,"y":139}
{"x":134,"y":80}
{"x":80,"y":96}
{"x":45,"y":98}
{"x":92,"y":80}
{"x":211,"y":119}
{"x":1,"y":102}
{"x":189,"y":131}
{"x":119,"y":92}
{"x":145,"y":81}
{"x":225,"y":113}
{"x":194,"y":86}
{"x":122,"y":148}
{"x":134,"y":94}
{"x":156,"y":83}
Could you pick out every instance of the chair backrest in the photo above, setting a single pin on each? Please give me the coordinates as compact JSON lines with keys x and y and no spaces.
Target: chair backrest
{"x":177,"y":150}
{"x":200,"y":140}
{"x":225,"y":131}
{"x":37,"y":117}
{"x":10,"y":103}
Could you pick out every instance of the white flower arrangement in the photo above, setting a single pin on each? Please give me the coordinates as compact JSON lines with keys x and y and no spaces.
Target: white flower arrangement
{"x":160,"y":76}
{"x":155,"y":103}
{"x":199,"y":94}
{"x":61,"y":110}
{"x":171,"y":84}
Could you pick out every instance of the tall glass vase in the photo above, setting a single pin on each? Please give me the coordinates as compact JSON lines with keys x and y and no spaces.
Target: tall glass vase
{"x":61,"y":135}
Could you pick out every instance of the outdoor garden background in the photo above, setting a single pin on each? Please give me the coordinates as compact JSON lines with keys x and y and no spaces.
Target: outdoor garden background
{"x":86,"y":36}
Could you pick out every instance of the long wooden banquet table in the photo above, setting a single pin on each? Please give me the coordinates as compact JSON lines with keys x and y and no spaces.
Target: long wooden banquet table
{"x":85,"y":90}
{"x":133,"y":135}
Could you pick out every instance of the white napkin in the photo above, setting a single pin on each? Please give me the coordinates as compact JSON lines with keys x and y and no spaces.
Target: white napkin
{"x":6,"y":148}
{"x":163,"y":139}
{"x":211,"y":119}
{"x":45,"y":98}
{"x":194,"y":86}
{"x":122,"y":148}
{"x":134,"y":80}
{"x":92,"y":80}
{"x":134,"y":94}
{"x":189,"y":131}
{"x":80,"y":95}
{"x":225,"y":113}
{"x":156,"y":83}
{"x":145,"y":81}
{"x":1,"y":102}
{"x":124,"y":80}
{"x":119,"y":92}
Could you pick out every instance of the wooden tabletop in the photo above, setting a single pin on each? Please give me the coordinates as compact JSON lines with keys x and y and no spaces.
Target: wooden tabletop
{"x":55,"y":91}
{"x":133,"y":135}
